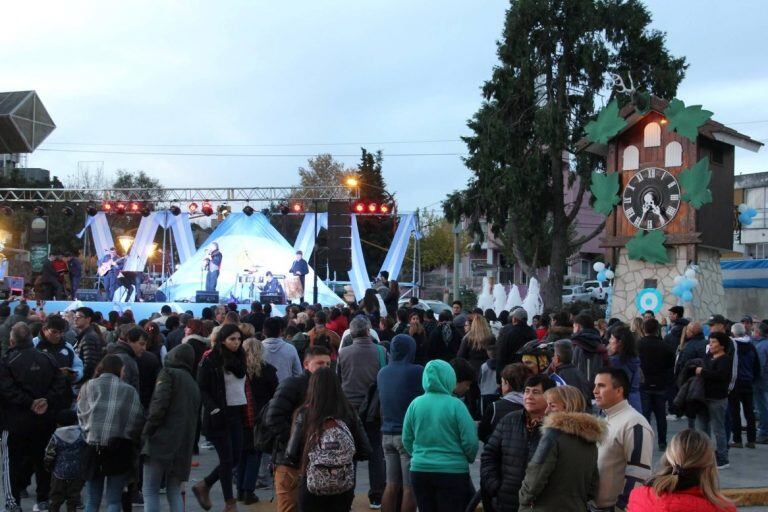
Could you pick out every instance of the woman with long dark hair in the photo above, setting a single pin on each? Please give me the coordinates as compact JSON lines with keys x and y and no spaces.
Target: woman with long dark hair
{"x":221,"y":378}
{"x":622,"y":349}
{"x":419,"y":334}
{"x":155,"y":340}
{"x":326,"y":438}
{"x":370,"y":306}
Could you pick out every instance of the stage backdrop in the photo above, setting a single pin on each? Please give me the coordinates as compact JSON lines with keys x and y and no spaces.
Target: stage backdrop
{"x":245,"y":242}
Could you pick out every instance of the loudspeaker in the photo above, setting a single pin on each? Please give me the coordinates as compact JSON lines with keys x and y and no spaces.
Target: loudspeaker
{"x":204,"y":297}
{"x":87,"y":294}
{"x":339,"y":236}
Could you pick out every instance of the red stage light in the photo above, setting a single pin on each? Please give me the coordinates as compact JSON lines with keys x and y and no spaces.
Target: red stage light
{"x":207,"y":209}
{"x":372,"y":207}
{"x":107,"y":207}
{"x":120,"y":208}
{"x":297,"y":207}
{"x":192,"y":207}
{"x":359,"y":208}
{"x":384,"y":209}
{"x":135,"y":207}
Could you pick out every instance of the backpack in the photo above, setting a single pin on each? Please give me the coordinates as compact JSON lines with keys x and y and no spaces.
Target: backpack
{"x":331,"y":468}
{"x":263,"y":438}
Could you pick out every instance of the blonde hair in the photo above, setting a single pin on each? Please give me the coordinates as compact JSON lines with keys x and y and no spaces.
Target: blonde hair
{"x":690,"y":452}
{"x":637,"y":326}
{"x":571,"y":398}
{"x":247,"y":329}
{"x":479,"y":334}
{"x":253,"y":357}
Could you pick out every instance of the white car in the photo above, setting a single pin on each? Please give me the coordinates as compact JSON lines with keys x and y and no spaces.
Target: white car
{"x":597,"y":290}
{"x":575,"y":294}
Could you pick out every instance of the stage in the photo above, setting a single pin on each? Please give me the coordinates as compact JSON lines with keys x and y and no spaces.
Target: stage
{"x":141,"y":310}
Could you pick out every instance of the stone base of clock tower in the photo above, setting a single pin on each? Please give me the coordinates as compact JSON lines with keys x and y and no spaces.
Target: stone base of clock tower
{"x":631,"y":276}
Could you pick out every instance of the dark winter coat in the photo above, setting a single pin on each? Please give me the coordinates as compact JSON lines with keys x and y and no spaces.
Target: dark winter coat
{"x":444,"y":341}
{"x":169,"y":433}
{"x":558,"y":332}
{"x":691,"y":396}
{"x":200,"y":345}
{"x":657,"y":360}
{"x":130,"y":367}
{"x":574,"y":377}
{"x":210,"y":379}
{"x":496,"y":411}
{"x":475,"y":356}
{"x":749,"y":370}
{"x":716,"y":373}
{"x":562,"y":475}
{"x":589,"y":353}
{"x":504,"y":459}
{"x":676,"y":332}
{"x":511,"y":339}
{"x":149,"y":368}
{"x":289,"y":396}
{"x":91,"y":349}
{"x":694,"y":348}
{"x":260,"y":391}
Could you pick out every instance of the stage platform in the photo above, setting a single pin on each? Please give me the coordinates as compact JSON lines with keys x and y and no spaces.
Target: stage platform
{"x":140,"y":310}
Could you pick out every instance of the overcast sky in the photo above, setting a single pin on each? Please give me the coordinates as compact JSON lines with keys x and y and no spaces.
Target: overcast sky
{"x":307,"y":76}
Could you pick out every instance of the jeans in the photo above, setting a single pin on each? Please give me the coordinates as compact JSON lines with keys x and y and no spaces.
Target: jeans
{"x":331,"y":503}
{"x":761,"y":404}
{"x":654,"y":402}
{"x":228,"y":446}
{"x":94,"y":489}
{"x":398,"y":461}
{"x":248,"y":470}
{"x":441,"y":492}
{"x":211,"y":278}
{"x":713,"y":418}
{"x":736,"y":400}
{"x":377,"y":476}
{"x":153,"y":480}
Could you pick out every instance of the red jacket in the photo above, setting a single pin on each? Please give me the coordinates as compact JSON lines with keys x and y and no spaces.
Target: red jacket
{"x":644,"y":499}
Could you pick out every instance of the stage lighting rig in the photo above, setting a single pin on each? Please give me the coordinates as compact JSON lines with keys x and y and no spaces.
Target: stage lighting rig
{"x":146,"y":211}
{"x":297,"y":208}
{"x":134,"y":207}
{"x":175,"y":210}
{"x":67,"y":211}
{"x":207,"y":208}
{"x":248,"y":210}
{"x":39,"y":211}
{"x":372,"y":208}
{"x":120,"y":208}
{"x":91,"y":211}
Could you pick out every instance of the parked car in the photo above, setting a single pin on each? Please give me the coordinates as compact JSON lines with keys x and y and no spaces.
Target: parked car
{"x":575,"y":294}
{"x":437,"y":306}
{"x":597,"y":290}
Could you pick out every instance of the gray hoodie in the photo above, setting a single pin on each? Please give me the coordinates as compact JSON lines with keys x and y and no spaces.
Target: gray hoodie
{"x":283,"y":356}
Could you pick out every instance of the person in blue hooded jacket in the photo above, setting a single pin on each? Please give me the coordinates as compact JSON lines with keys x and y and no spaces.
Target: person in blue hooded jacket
{"x":399,"y":383}
{"x":441,"y":437}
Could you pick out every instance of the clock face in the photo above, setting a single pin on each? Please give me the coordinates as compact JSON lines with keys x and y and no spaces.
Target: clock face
{"x":651,"y":199}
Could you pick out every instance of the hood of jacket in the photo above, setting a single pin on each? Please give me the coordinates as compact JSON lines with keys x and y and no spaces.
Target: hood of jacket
{"x":273,"y":345}
{"x":516,"y":397}
{"x":438,"y":377}
{"x":588,"y":427}
{"x":122,"y":347}
{"x":561,"y":332}
{"x":68,"y":434}
{"x":743,"y":339}
{"x":182,"y":356}
{"x":588,"y":339}
{"x":197,"y":338}
{"x":403,"y":349}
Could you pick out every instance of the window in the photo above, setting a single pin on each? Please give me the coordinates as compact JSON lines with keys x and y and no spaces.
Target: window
{"x":585,"y":268}
{"x":755,"y":197}
{"x":652,"y":135}
{"x":673,"y":155}
{"x":631,"y":159}
{"x":757,"y":251}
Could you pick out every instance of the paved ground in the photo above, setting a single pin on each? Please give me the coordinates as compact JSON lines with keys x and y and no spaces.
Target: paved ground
{"x":748,"y":469}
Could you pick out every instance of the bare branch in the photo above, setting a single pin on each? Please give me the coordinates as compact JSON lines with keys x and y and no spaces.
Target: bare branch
{"x":577,"y":203}
{"x":586,"y":238}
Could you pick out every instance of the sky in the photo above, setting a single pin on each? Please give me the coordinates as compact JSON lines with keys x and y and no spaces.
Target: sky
{"x":303,"y":77}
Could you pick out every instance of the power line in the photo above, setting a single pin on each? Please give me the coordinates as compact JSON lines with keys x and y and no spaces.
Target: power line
{"x":284,"y":145}
{"x":243,"y":155}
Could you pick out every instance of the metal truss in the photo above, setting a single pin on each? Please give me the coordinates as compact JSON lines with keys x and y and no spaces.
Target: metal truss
{"x":177,"y":195}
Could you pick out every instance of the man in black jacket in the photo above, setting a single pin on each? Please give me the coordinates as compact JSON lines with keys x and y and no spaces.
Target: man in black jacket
{"x":32,"y":390}
{"x":562,"y":371}
{"x":657,"y":360}
{"x":676,"y":326}
{"x":278,"y":420}
{"x":444,"y":339}
{"x":90,"y":346}
{"x":511,"y":338}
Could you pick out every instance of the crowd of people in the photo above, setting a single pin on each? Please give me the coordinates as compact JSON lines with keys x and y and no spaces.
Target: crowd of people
{"x":557,"y":407}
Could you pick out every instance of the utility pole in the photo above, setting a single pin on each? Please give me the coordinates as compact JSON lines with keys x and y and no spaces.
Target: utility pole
{"x":456,"y":260}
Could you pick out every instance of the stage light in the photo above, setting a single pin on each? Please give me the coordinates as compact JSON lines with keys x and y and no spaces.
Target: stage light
{"x":107,"y":207}
{"x":67,"y":211}
{"x":384,"y":209}
{"x":372,"y":207}
{"x":6,"y":210}
{"x":120,"y":208}
{"x":134,"y":207}
{"x":207,"y":208}
{"x":283,"y":208}
{"x":39,"y":211}
{"x":297,"y":207}
{"x":91,"y":211}
{"x":224,"y":210}
{"x":125,"y":242}
{"x":266,"y":212}
{"x":175,"y":210}
{"x":146,"y":211}
{"x":248,"y":210}
{"x":193,"y":207}
{"x":351,"y":182}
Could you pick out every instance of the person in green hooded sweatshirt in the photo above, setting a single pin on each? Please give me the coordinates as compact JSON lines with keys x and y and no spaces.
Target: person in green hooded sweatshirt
{"x":441,"y":437}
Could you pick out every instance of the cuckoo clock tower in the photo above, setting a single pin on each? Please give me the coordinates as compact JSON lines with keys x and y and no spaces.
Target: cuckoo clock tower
{"x":673,"y":208}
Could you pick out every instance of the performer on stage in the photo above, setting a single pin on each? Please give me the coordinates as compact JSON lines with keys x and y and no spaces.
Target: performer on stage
{"x":273,"y":287}
{"x":300,"y":269}
{"x":110,"y":266}
{"x":213,"y":266}
{"x":49,"y":278}
{"x":75,"y":271}
{"x":127,"y":291}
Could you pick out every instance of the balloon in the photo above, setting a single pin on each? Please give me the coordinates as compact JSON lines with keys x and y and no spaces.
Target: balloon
{"x":609,"y":274}
{"x":686,"y":285}
{"x":678,"y":279}
{"x":677,"y":290}
{"x":745,"y":219}
{"x":694,"y":283}
{"x":751,"y":212}
{"x":690,"y":273}
{"x":601,"y":276}
{"x":743,"y":208}
{"x":687,"y":296}
{"x":599,"y":266}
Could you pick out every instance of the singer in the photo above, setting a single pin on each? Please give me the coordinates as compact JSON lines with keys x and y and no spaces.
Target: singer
{"x":212,"y":266}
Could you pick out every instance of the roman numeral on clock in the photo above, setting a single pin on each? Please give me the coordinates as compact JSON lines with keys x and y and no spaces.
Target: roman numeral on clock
{"x":627,"y":200}
{"x":649,"y":224}
{"x":670,"y":211}
{"x":630,"y":212}
{"x":674,"y":197}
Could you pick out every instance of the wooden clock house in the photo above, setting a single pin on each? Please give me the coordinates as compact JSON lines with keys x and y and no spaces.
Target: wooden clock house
{"x":649,"y":159}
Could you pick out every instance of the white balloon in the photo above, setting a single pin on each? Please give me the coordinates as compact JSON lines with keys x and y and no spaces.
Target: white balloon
{"x":599,"y":266}
{"x":694,"y":282}
{"x":690,"y":273}
{"x":609,"y":274}
{"x":678,"y":279}
{"x":743,"y":207}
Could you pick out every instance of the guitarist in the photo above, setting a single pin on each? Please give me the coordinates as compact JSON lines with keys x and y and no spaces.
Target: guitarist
{"x":114,"y":265}
{"x":212,"y":267}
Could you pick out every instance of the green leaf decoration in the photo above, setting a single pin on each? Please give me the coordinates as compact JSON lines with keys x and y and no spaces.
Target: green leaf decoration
{"x":685,"y":120}
{"x":648,"y":247}
{"x":607,"y":124}
{"x":695,"y":182}
{"x":605,"y":188}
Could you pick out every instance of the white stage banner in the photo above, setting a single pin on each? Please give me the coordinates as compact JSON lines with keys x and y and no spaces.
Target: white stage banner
{"x":305,"y":242}
{"x":393,"y":262}
{"x":358,"y":275}
{"x":102,"y":236}
{"x":182,"y":235}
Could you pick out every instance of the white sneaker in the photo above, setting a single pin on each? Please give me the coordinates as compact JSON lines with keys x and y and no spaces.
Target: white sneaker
{"x":672,"y":417}
{"x":724,"y":466}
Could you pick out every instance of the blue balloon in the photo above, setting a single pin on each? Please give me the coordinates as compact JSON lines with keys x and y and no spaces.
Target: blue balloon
{"x":751,"y":212}
{"x":745,"y":219}
{"x":677,"y":290}
{"x":601,"y":276}
{"x":686,"y":285}
{"x":687,"y":296}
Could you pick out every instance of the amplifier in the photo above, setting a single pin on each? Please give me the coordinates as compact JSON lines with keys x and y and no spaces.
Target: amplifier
{"x":88,"y":294}
{"x":204,"y":297}
{"x":271,"y":298}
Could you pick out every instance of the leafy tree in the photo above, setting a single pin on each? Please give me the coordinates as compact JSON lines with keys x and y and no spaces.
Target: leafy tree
{"x":555,"y":57}
{"x":323,"y":171}
{"x":139,"y":179}
{"x":375,"y":232}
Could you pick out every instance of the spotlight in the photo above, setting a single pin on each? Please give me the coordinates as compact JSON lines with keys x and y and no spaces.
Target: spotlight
{"x":248,"y":210}
{"x":384,"y":209}
{"x":6,"y":210}
{"x":283,"y":209}
{"x":134,"y":207}
{"x":372,"y":207}
{"x":207,"y":209}
{"x":67,"y":211}
{"x":193,"y":207}
{"x":224,"y":209}
{"x":120,"y":208}
{"x":107,"y":207}
{"x":91,"y":211}
{"x":297,"y":207}
{"x":266,"y":212}
{"x":359,"y":207}
{"x":39,"y":211}
{"x":175,"y":210}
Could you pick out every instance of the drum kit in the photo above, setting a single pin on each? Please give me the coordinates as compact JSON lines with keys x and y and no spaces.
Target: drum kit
{"x":251,"y":281}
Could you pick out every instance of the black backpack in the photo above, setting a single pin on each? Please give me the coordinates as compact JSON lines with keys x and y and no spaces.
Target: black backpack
{"x":263,"y":438}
